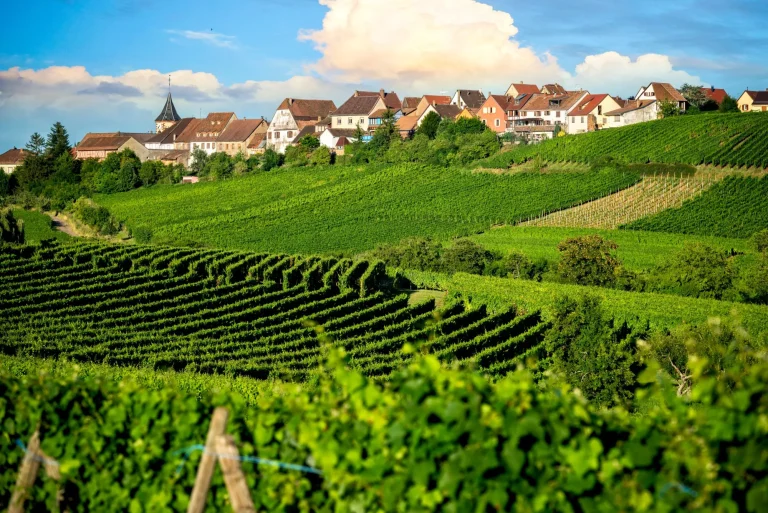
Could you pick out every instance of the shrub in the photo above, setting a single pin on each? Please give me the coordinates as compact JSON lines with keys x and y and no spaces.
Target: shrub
{"x":761,"y":240}
{"x":95,"y":216}
{"x":467,"y":257}
{"x":142,"y":234}
{"x":697,"y":270}
{"x":321,"y":156}
{"x":11,"y":230}
{"x":272,"y":159}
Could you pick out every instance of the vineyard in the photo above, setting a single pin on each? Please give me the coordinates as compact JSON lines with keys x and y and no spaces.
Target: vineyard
{"x":650,"y":196}
{"x":347,"y":209}
{"x":722,"y":140}
{"x":236,"y":313}
{"x":735,"y":207}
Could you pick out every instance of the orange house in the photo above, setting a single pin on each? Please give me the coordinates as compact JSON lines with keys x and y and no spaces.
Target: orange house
{"x":494,"y":112}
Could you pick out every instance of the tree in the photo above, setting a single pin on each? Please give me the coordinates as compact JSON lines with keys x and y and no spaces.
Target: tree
{"x":590,"y":352}
{"x":128,"y":174}
{"x":199,"y":162}
{"x":761,"y":240}
{"x":729,"y":104}
{"x":150,"y":172}
{"x":465,"y":256}
{"x":693,"y":94}
{"x":412,"y":253}
{"x":309,"y":143}
{"x":429,"y":125}
{"x":697,"y":270}
{"x":321,"y":156}
{"x":57,"y":141}
{"x":36,"y":144}
{"x":272,"y":159}
{"x":219,"y":166}
{"x":5,"y":184}
{"x":668,"y":108}
{"x":296,"y":156}
{"x":11,"y":230}
{"x":588,"y":260}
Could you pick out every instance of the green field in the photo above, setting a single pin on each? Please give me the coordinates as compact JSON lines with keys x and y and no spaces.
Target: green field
{"x":350,"y":209}
{"x":637,"y":250}
{"x":37,"y":227}
{"x":660,"y":310}
{"x":721,"y":139}
{"x":735,"y":207}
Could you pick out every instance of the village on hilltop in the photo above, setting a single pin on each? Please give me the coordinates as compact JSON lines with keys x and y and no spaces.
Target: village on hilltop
{"x":526,"y":111}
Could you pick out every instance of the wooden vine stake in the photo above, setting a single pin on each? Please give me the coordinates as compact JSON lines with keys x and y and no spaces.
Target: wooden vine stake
{"x":30,"y":466}
{"x":220,"y":447}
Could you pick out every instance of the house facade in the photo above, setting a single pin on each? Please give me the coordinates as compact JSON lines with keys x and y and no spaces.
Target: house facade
{"x":357,"y":111}
{"x":238,"y":135}
{"x":753,"y":101}
{"x":332,"y":137}
{"x":589,"y":114}
{"x":449,"y":111}
{"x":494,"y":113}
{"x":431,"y":99}
{"x":634,"y":111}
{"x":543,"y":113}
{"x":207,"y":131}
{"x":662,"y":92}
{"x":99,"y":146}
{"x":166,"y":139}
{"x":468,"y":98}
{"x":12,"y":159}
{"x":292,"y":116}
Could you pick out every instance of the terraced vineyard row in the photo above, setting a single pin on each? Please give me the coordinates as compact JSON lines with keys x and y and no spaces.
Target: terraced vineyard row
{"x":652,"y":195}
{"x":259,"y":315}
{"x":736,"y":140}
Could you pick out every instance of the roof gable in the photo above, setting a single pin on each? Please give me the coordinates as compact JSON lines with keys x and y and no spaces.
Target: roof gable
{"x":13,"y":156}
{"x":588,"y":104}
{"x":170,"y":135}
{"x":472,"y":98}
{"x":240,"y":130}
{"x":310,"y":109}
{"x":359,"y":106}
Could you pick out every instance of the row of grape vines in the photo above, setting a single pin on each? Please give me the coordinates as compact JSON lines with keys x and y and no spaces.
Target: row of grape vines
{"x":650,"y":196}
{"x":738,"y":140}
{"x":734,"y":207}
{"x":227,"y":312}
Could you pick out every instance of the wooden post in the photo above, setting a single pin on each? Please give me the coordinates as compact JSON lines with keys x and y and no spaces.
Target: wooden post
{"x":27,"y":474}
{"x":208,"y":462}
{"x":239,"y":494}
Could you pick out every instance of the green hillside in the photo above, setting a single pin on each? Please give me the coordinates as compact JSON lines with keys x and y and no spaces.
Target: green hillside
{"x":735,"y":207}
{"x":351,"y":209}
{"x":37,"y":227}
{"x":232,"y":312}
{"x":720,"y":139}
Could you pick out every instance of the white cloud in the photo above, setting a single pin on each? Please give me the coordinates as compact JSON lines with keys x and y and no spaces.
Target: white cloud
{"x":211,"y":38}
{"x":613,"y":73}
{"x":445,"y":44}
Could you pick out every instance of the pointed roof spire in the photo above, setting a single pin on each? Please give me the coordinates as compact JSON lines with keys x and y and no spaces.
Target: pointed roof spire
{"x":169,"y":111}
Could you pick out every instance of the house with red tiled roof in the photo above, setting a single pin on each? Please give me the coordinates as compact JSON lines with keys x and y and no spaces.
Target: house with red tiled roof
{"x":410,"y":103}
{"x":431,"y":99}
{"x":543,"y":113}
{"x":207,"y":131}
{"x":292,"y":116}
{"x":515,"y":90}
{"x":553,"y":89}
{"x":494,"y":111}
{"x":237,"y":136}
{"x":12,"y":159}
{"x":99,"y":145}
{"x":713,"y":94}
{"x":474,"y":99}
{"x":753,"y":101}
{"x":589,"y":114}
{"x":662,"y":92}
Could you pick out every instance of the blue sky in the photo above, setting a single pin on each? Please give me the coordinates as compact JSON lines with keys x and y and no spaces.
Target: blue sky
{"x":99,"y":65}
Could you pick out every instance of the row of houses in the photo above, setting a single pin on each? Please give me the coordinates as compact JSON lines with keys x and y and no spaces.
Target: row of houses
{"x":526,"y":110}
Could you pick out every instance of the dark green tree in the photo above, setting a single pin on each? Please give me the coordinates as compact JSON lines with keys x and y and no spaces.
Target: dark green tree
{"x":5,"y":184}
{"x":590,"y":352}
{"x":36,"y":144}
{"x":199,"y":162}
{"x":321,"y":156}
{"x":309,"y":143}
{"x":760,"y":240}
{"x":465,"y":256}
{"x":697,"y":270}
{"x":429,"y":125}
{"x":11,"y":230}
{"x":729,"y":104}
{"x":150,"y":172}
{"x":272,"y":160}
{"x":220,"y":166}
{"x":57,"y":141}
{"x":588,"y":260}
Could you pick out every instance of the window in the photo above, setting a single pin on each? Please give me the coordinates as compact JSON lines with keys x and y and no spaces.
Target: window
{"x":617,"y":118}
{"x":582,"y":119}
{"x":599,"y":110}
{"x":538,"y":113}
{"x":362,"y":121}
{"x":485,"y":122}
{"x":573,"y":119}
{"x":557,"y":114}
{"x":498,"y":123}
{"x":289,"y":134}
{"x":269,"y":135}
{"x":349,"y":121}
{"x":548,"y":113}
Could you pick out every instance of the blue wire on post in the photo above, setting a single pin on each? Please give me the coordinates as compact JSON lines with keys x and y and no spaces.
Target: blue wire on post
{"x":187,"y":451}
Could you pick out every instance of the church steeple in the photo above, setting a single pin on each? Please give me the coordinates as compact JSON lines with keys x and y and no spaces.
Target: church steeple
{"x":168,"y":116}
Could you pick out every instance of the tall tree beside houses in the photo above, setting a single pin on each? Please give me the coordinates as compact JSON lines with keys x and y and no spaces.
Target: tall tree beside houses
{"x":57,"y":141}
{"x":36,"y":144}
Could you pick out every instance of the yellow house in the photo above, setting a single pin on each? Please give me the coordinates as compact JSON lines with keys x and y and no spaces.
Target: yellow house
{"x":753,"y":101}
{"x":467,"y":113}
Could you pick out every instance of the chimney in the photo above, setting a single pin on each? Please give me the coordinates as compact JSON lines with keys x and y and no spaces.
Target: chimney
{"x":290,"y":101}
{"x":382,"y":93}
{"x":713,"y":89}
{"x":174,"y":137}
{"x":356,"y":94}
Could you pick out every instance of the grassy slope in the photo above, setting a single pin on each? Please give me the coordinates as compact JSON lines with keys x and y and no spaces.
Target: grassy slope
{"x":637,"y":250}
{"x":37,"y":227}
{"x":350,"y":209}
{"x":723,"y":139}
{"x":660,"y":310}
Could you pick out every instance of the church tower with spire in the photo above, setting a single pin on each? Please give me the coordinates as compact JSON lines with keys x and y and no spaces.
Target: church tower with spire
{"x":168,"y":117}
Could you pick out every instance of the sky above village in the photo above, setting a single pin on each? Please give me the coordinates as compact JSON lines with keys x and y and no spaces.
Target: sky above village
{"x":103,"y":65}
